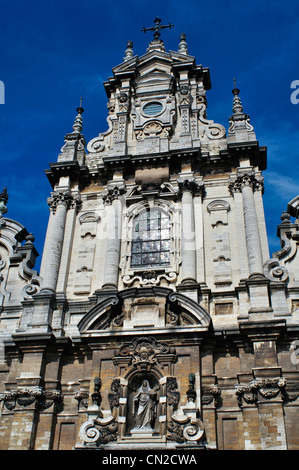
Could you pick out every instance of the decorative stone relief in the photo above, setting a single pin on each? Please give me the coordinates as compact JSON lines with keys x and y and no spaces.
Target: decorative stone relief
{"x":144,"y":353}
{"x":82,"y":283}
{"x":189,"y":184}
{"x":218,"y":210}
{"x":275,"y":271}
{"x":19,"y":257}
{"x":26,"y":396}
{"x":207,"y":128}
{"x":99,"y":431}
{"x":3,"y":202}
{"x":278,"y":267}
{"x":248,"y":178}
{"x":268,"y":388}
{"x":64,"y":197}
{"x":149,"y":278}
{"x":210,"y":394}
{"x":185,"y":426}
{"x":184,"y":429}
{"x":112,"y":192}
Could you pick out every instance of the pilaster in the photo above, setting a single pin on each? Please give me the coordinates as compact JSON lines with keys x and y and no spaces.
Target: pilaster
{"x":112,"y":196}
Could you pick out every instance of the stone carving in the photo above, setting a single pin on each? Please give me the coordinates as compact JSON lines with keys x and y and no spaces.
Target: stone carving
{"x":185,"y":425}
{"x":96,"y":395}
{"x":246,"y":393}
{"x":64,"y":197}
{"x":246,"y":179}
{"x":189,"y":184}
{"x":82,"y":397}
{"x":183,"y":429}
{"x":123,"y":102}
{"x":184,"y":95}
{"x":26,"y":396}
{"x":268,"y":388}
{"x":209,"y":129}
{"x":144,"y":407}
{"x":149,"y":278}
{"x":239,"y":121}
{"x":210,"y":394}
{"x":99,"y":431}
{"x":3,"y":202}
{"x":112,"y":192}
{"x":276,"y":272}
{"x":114,"y":396}
{"x":290,"y":392}
{"x":153,"y":129}
{"x":173,"y":396}
{"x":144,"y":352}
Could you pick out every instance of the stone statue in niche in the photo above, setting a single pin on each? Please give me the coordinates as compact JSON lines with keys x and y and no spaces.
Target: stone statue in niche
{"x":144,"y":407}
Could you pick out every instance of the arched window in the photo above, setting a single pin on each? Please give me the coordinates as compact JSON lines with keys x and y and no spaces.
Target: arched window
{"x":151,"y":239}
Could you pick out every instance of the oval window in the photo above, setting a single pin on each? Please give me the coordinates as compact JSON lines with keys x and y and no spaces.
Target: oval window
{"x":152,"y":108}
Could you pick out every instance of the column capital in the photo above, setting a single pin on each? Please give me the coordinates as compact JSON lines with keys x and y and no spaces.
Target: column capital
{"x":243,"y":179}
{"x":113,"y":191}
{"x":192,"y":186}
{"x":65,"y":198}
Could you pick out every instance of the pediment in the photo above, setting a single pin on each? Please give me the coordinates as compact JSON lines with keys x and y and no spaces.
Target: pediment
{"x":154,"y":74}
{"x":150,"y":307}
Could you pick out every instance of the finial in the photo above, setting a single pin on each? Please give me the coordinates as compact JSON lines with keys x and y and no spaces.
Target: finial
{"x":29,"y":239}
{"x":3,"y":202}
{"x":129,"y":51}
{"x":237,"y":105}
{"x":157,"y":28}
{"x":78,"y":124}
{"x":183,"y":49}
{"x":285,"y":217}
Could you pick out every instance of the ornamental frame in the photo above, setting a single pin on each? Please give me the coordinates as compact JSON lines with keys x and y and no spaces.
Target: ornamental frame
{"x":151,"y":275}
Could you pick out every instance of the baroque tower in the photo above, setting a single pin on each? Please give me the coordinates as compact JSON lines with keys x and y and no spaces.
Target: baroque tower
{"x":158,"y":319}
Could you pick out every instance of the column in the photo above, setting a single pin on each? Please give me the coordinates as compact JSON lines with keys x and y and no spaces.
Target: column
{"x":112,"y":196}
{"x":188,"y":187}
{"x":199,"y":239}
{"x":59,"y":203}
{"x":246,"y":184}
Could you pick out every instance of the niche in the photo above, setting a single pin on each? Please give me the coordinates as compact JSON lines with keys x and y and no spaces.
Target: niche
{"x":143,"y":408}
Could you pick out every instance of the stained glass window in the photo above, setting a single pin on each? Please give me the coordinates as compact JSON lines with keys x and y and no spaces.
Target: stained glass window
{"x":151,"y":239}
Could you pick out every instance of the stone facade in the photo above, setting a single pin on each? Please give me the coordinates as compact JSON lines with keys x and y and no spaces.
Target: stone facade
{"x":158,"y":320}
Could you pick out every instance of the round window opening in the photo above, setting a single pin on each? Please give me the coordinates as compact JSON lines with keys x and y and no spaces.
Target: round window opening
{"x":153,"y":108}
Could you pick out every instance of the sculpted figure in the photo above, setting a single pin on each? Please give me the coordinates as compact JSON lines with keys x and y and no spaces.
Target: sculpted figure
{"x":144,"y":406}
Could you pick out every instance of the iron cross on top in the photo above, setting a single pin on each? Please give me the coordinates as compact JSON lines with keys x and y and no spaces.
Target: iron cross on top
{"x":157,"y":28}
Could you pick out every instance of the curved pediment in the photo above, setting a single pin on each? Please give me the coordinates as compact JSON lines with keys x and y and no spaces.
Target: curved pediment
{"x":152,"y":307}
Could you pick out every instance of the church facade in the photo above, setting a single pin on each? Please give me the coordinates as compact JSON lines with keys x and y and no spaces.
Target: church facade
{"x":158,"y":319}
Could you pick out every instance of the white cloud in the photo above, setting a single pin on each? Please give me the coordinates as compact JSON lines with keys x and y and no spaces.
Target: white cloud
{"x":282,"y":184}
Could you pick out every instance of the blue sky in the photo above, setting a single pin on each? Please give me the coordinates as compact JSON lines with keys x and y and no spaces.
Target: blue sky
{"x":54,"y":52}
